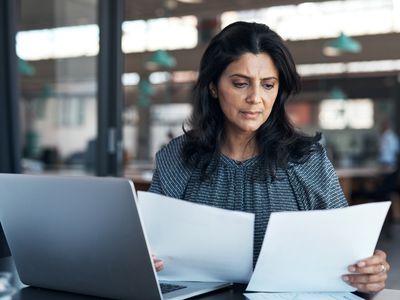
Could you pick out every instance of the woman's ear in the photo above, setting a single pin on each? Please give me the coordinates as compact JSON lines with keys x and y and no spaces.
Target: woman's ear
{"x":213,"y":90}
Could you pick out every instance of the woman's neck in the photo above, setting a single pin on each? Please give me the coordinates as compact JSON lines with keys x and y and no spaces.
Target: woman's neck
{"x":239,"y":146}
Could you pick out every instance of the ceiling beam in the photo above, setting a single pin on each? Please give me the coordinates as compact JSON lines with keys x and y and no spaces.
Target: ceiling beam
{"x":150,"y":9}
{"x":304,"y":52}
{"x":374,"y":47}
{"x":59,"y":13}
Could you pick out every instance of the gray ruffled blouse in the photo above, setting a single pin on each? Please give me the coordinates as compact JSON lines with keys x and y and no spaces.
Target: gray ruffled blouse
{"x":235,"y":185}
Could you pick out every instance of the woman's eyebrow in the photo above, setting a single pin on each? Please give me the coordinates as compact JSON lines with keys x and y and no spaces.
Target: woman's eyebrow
{"x":248,"y":77}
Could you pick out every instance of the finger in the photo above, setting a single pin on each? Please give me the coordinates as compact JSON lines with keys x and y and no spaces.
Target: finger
{"x":356,"y":279}
{"x":380,"y":253}
{"x":373,"y":269}
{"x":155,"y":258}
{"x":378,"y":258}
{"x":369,"y":287}
{"x":159,"y":265}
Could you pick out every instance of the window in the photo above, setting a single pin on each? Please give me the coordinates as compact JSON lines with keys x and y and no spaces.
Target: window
{"x":351,"y":113}
{"x":325,"y":19}
{"x":163,"y":33}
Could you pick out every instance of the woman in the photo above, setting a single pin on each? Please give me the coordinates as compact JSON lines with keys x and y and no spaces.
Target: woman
{"x":241,"y":151}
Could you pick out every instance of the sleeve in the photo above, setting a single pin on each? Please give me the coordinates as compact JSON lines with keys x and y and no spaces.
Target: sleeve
{"x":315,"y":182}
{"x":155,"y":186}
{"x":171,"y":174}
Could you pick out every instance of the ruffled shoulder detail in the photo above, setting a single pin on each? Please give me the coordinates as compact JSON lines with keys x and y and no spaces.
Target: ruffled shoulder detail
{"x":172,"y":172}
{"x":315,"y":182}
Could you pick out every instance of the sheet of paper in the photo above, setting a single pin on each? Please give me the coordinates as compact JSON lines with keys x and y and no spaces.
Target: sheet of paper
{"x":198,"y":242}
{"x":302,"y":296}
{"x":309,"y":251}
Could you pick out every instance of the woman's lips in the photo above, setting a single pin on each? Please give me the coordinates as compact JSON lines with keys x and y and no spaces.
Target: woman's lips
{"x":250,"y":114}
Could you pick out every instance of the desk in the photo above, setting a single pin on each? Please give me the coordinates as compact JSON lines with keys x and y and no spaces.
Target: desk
{"x":346,"y":175}
{"x":231,"y":293}
{"x":141,"y":174}
{"x":234,"y":293}
{"x":142,"y":180}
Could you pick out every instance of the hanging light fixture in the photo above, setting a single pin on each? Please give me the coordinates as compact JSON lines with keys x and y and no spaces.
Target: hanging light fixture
{"x":25,"y":68}
{"x":160,"y":59}
{"x":342,"y":44}
{"x":337,"y":94}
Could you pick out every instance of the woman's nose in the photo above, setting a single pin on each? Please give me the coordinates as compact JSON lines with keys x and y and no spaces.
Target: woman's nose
{"x":254,"y":95}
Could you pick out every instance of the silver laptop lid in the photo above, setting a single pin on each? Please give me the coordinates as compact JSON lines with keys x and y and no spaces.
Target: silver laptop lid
{"x":77,"y":234}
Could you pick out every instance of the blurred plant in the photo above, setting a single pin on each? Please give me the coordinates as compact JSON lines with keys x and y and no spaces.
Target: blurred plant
{"x":146,"y":90}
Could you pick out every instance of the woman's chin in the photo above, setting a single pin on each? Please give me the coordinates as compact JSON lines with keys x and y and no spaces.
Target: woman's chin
{"x":249,"y":129}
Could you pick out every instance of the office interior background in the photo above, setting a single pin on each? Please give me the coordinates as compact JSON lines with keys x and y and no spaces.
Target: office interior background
{"x":97,"y":87}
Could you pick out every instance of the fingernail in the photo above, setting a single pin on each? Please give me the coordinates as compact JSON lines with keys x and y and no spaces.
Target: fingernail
{"x":352,"y":269}
{"x":345,"y":278}
{"x":361,"y":264}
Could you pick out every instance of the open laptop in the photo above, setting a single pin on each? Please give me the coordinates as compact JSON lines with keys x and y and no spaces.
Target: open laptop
{"x":83,"y":235}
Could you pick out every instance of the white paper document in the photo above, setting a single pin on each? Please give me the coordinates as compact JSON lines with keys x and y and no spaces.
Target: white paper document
{"x":198,"y":242}
{"x":309,"y":251}
{"x":302,"y":296}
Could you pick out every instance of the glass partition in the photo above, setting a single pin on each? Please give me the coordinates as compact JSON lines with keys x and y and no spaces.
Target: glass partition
{"x":57,"y":64}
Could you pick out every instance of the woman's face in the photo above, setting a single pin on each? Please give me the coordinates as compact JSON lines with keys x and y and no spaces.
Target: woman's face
{"x":246,"y":92}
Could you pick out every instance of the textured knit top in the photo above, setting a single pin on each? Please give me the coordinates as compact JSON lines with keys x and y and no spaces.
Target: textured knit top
{"x":235,"y":185}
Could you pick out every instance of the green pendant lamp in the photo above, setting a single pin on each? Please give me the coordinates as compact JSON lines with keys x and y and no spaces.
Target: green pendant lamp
{"x":25,"y":68}
{"x":160,"y":59}
{"x":337,"y":94}
{"x":342,"y":44}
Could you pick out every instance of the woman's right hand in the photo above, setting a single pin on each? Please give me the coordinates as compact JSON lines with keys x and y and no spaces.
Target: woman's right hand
{"x":158,"y":263}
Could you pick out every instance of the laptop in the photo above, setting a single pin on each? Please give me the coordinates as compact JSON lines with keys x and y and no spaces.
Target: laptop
{"x":83,"y":235}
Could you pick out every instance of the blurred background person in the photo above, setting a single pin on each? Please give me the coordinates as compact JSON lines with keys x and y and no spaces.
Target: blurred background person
{"x":388,"y":159}
{"x":388,"y":147}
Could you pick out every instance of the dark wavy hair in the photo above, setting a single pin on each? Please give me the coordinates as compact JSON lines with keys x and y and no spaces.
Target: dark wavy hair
{"x":277,"y":140}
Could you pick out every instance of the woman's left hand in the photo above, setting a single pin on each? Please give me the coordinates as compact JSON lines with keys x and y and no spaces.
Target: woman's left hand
{"x":371,"y":273}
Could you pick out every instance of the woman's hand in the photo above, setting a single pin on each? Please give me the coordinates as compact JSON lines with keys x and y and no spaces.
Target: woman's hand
{"x":371,"y":273}
{"x":158,"y":263}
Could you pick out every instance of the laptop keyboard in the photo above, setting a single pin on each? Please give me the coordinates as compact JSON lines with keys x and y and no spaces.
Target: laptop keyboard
{"x":168,"y":288}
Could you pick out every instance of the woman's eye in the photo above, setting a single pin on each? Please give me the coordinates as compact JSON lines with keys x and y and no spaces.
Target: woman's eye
{"x":268,"y":86}
{"x":240,"y":84}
